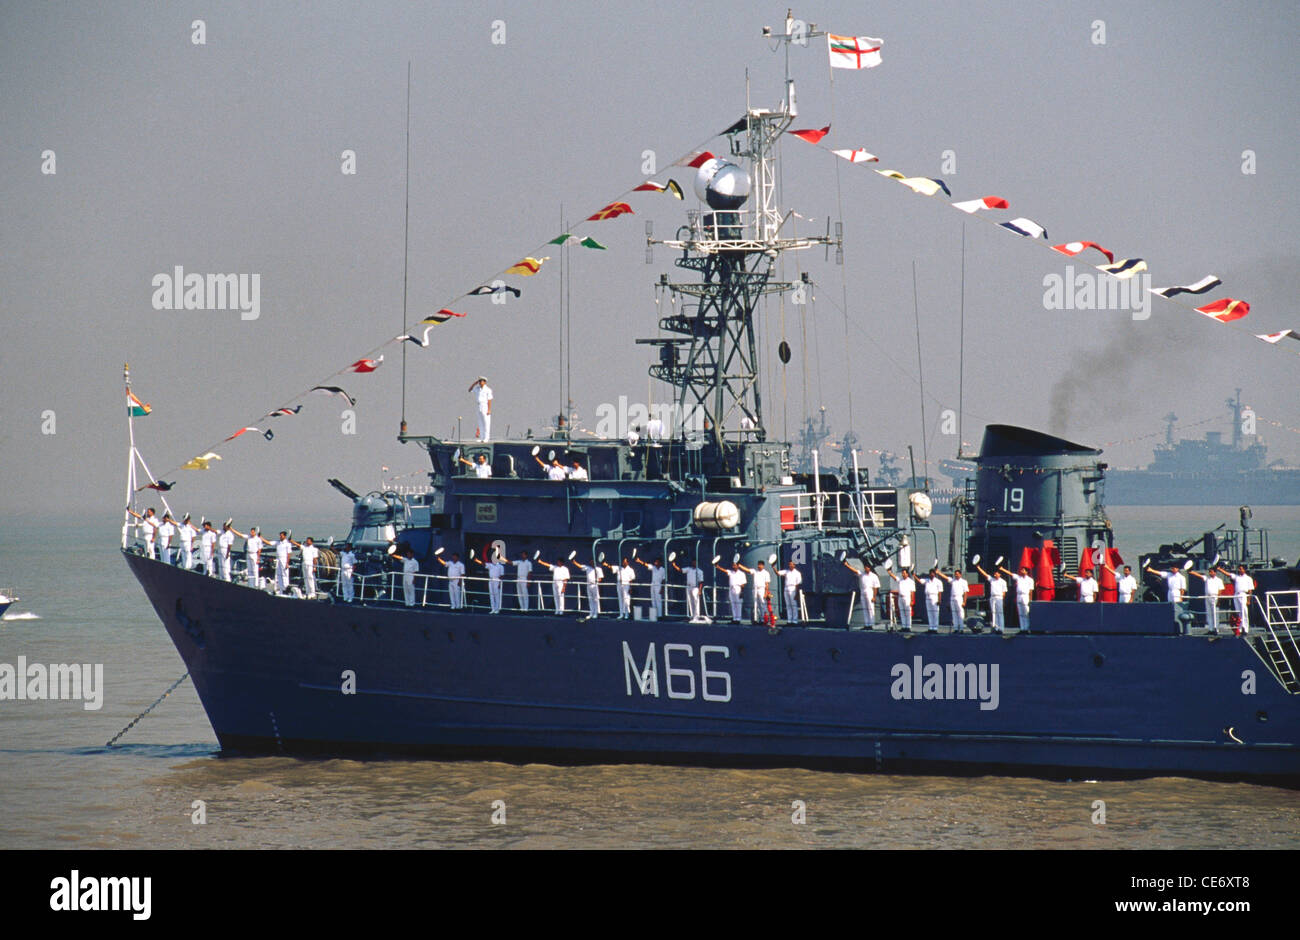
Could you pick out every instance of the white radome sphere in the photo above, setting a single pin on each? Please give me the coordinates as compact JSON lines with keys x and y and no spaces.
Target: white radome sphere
{"x":721,"y":184}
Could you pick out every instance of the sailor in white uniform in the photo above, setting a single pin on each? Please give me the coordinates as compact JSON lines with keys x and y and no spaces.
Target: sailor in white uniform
{"x":793,"y":578}
{"x":906,"y":595}
{"x":657,"y":575}
{"x":482,"y":469}
{"x":495,"y":570}
{"x":149,"y":523}
{"x":483,"y":408}
{"x":187,"y":533}
{"x":224,"y":543}
{"x":761,"y":591}
{"x":1087,"y":589}
{"x":996,"y":598}
{"x":594,"y":574}
{"x":208,"y":548}
{"x":736,"y":581}
{"x":523,"y":567}
{"x":1126,"y":585}
{"x":1242,"y":586}
{"x":347,"y":565}
{"x":626,"y":575}
{"x":933,"y":592}
{"x":1213,"y":588}
{"x":455,"y":580}
{"x":578,"y":472}
{"x":309,"y":553}
{"x":957,"y":600}
{"x":165,"y":533}
{"x":694,"y":579}
{"x":410,"y":568}
{"x":252,"y":555}
{"x":868,"y":587}
{"x":1024,"y":594}
{"x":283,"y":550}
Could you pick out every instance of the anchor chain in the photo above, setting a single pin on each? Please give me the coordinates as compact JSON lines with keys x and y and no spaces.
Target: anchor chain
{"x":157,"y":701}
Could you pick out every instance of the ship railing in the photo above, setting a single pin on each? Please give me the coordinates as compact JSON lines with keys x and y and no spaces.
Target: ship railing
{"x":1281,"y":610}
{"x":877,"y":508}
{"x":706,"y":602}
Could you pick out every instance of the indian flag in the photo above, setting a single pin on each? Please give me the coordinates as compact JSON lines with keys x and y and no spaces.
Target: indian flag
{"x":137,"y":408}
{"x":854,"y":52}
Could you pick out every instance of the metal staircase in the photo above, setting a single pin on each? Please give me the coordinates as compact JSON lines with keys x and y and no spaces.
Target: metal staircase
{"x":1278,"y":644}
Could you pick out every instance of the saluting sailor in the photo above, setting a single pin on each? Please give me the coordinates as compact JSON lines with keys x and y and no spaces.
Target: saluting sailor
{"x":997,"y":596}
{"x":188,"y":534}
{"x":957,"y":600}
{"x":410,"y":567}
{"x":483,"y":403}
{"x":933,"y":592}
{"x":694,"y":579}
{"x":149,"y":522}
{"x":482,"y":469}
{"x":594,"y":574}
{"x":283,"y":550}
{"x":455,"y":580}
{"x":578,"y":472}
{"x":309,"y":553}
{"x":1126,"y":585}
{"x":1242,"y":586}
{"x":626,"y":575}
{"x":522,"y":569}
{"x":207,"y":547}
{"x":868,"y":586}
{"x":906,"y":594}
{"x":1213,"y":588}
{"x":224,"y":543}
{"x":657,"y":574}
{"x":1024,"y":594}
{"x":252,"y":555}
{"x":793,"y":578}
{"x":165,"y":532}
{"x":495,"y":570}
{"x":1087,"y":588}
{"x":347,"y":565}
{"x":559,"y":581}
{"x":736,"y":581}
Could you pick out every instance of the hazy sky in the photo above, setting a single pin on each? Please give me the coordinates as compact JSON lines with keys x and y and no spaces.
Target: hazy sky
{"x":226,"y":158}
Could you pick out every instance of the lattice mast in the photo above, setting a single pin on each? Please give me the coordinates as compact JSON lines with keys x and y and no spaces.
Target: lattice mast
{"x":710,"y":350}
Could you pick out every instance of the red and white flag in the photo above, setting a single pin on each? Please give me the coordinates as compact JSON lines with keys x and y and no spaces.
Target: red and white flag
{"x":988,"y":202}
{"x":366,"y":365}
{"x":1225,"y":310}
{"x":853,"y":52}
{"x":857,"y":156}
{"x":1279,"y":336}
{"x":1073,"y":248}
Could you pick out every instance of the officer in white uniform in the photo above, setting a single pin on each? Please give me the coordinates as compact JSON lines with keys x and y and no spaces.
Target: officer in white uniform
{"x":165,"y":532}
{"x":906,"y":595}
{"x":455,"y":580}
{"x":1175,"y":585}
{"x":1242,"y":586}
{"x":149,"y":522}
{"x":933,"y":592}
{"x":626,"y":575}
{"x":760,"y":591}
{"x":187,"y":533}
{"x":595,"y":574}
{"x":482,"y":469}
{"x":522,"y":569}
{"x":283,"y":550}
{"x":578,"y":472}
{"x":483,"y":404}
{"x":207,"y":547}
{"x":559,"y":581}
{"x":224,"y":543}
{"x":1024,"y":594}
{"x":1087,"y":589}
{"x":957,"y":600}
{"x":657,"y":575}
{"x":793,"y":579}
{"x":694,"y":585}
{"x":868,"y":586}
{"x":736,"y":587}
{"x":309,"y":554}
{"x":347,"y":565}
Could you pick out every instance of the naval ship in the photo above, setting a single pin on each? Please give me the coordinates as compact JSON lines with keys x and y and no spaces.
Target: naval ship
{"x":418,"y":664}
{"x":1207,"y":471}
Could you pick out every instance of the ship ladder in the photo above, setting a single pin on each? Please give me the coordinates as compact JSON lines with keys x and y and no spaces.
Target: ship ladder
{"x":1279,"y":641}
